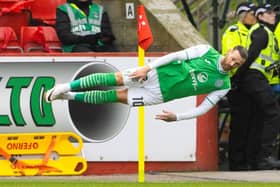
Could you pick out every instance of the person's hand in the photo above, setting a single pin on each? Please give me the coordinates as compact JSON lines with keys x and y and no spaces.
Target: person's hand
{"x":140,"y":74}
{"x":166,"y":116}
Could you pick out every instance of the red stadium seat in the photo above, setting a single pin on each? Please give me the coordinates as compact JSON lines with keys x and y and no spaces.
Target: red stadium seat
{"x":8,"y":41}
{"x":15,"y":7}
{"x":45,"y":10}
{"x":7,"y":3}
{"x":15,"y":21}
{"x":40,"y":39}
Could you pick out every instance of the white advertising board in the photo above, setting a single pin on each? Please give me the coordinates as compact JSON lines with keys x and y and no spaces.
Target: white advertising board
{"x":110,"y":131}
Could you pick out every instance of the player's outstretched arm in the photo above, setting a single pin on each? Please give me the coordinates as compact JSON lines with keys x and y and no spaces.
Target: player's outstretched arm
{"x":208,"y":103}
{"x":166,"y":116}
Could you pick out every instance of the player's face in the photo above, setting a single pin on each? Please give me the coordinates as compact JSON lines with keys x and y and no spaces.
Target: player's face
{"x":232,"y":60}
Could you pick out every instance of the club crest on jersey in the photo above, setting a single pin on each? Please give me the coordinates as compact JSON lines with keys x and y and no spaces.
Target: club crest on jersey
{"x":202,"y":77}
{"x":219,"y":83}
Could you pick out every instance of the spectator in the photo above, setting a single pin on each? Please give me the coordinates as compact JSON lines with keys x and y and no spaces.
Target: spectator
{"x":240,"y":104}
{"x":84,"y":26}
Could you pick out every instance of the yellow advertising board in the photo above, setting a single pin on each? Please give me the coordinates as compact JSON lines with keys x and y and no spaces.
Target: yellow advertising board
{"x":56,"y":153}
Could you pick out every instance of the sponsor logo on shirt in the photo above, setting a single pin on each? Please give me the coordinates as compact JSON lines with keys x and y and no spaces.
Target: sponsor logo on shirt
{"x":201,"y":77}
{"x":194,"y":81}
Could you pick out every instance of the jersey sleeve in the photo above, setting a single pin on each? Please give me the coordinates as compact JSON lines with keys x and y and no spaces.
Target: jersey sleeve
{"x":186,"y":54}
{"x":209,"y":102}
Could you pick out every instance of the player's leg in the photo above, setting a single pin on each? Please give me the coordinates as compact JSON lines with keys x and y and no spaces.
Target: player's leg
{"x":97,"y":96}
{"x":145,"y":93}
{"x":133,"y":96}
{"x":148,"y":92}
{"x":96,"y":79}
{"x":89,"y":81}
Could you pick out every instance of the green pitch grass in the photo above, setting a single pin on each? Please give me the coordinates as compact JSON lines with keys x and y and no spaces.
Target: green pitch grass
{"x":88,"y":183}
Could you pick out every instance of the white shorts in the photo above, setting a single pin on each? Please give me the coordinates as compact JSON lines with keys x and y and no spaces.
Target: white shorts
{"x":143,"y":93}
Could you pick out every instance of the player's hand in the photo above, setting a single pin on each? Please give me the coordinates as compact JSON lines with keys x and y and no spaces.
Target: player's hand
{"x":166,"y":116}
{"x":140,"y":74}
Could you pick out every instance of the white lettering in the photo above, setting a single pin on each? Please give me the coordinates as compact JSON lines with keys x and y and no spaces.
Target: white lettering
{"x":194,"y":81}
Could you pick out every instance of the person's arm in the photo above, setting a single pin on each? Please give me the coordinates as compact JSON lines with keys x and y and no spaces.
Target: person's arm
{"x":186,"y":54}
{"x":209,"y":102}
{"x":259,"y":40}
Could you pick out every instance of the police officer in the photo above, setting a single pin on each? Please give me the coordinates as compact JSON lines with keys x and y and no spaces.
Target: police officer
{"x":84,"y":26}
{"x":240,"y":103}
{"x":253,"y":80}
{"x":276,"y":84}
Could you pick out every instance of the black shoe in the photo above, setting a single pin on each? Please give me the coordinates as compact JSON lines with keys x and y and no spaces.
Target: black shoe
{"x":269,"y":163}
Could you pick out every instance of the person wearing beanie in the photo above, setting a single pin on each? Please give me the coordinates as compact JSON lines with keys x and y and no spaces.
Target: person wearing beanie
{"x":84,"y":26}
{"x":254,"y":80}
{"x":240,"y":105}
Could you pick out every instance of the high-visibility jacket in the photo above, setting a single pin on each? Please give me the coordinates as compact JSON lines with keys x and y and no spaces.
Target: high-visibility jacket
{"x":267,"y":56}
{"x":277,"y":32}
{"x":234,"y":35}
{"x":81,"y":24}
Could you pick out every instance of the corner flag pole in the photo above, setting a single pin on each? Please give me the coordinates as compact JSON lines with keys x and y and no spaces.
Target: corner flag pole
{"x":145,"y":39}
{"x":141,"y":128}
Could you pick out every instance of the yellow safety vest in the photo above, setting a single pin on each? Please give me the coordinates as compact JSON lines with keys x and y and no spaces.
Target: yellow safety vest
{"x":81,"y":24}
{"x":277,"y":32}
{"x":267,"y":56}
{"x":234,"y":35}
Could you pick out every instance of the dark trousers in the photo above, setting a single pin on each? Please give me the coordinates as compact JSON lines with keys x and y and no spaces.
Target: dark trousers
{"x":267,"y":116}
{"x":241,"y":108}
{"x":255,"y":120}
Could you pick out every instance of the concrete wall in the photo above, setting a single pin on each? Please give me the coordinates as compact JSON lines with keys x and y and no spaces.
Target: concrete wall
{"x":171,"y":29}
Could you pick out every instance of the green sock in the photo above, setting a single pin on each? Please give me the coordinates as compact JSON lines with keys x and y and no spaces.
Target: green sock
{"x":95,"y":79}
{"x":97,"y":97}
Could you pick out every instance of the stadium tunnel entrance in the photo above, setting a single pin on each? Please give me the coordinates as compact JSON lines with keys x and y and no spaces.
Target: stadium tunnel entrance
{"x":102,"y":122}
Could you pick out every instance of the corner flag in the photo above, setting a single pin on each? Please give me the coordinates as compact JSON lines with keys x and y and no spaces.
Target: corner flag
{"x":145,"y":39}
{"x":145,"y":36}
